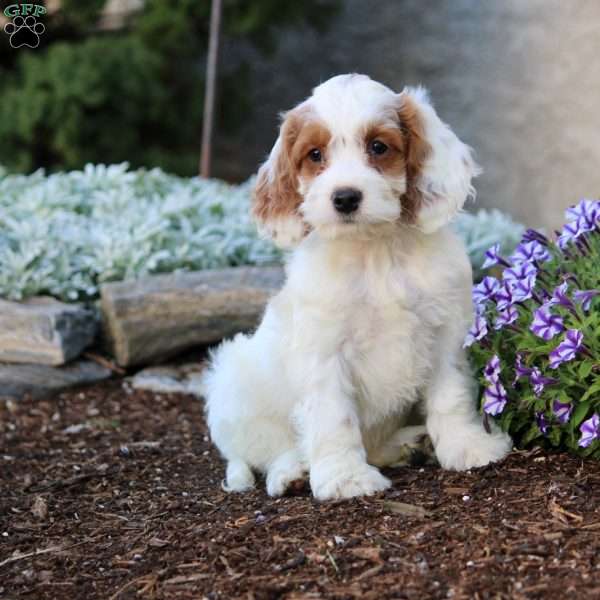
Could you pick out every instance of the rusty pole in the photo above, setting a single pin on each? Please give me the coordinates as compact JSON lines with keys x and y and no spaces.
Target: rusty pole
{"x":211,"y":83}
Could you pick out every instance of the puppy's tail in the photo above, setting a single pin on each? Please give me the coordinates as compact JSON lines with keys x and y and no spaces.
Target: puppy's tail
{"x":220,"y":362}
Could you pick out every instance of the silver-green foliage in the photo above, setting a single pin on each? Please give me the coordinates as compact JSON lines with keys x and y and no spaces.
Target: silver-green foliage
{"x":485,"y":228}
{"x":66,"y":233}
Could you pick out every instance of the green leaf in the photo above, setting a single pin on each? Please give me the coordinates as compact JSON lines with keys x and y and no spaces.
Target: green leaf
{"x":585,"y":369}
{"x":524,"y":344}
{"x":593,"y":389}
{"x":506,"y":419}
{"x":532,"y":434}
{"x":554,"y":436}
{"x":579,"y":414}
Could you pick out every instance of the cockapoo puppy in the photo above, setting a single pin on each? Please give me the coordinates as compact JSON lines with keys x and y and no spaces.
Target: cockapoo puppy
{"x":368,"y":329}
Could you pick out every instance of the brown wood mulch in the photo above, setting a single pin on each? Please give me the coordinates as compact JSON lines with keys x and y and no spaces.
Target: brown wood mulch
{"x":113,"y":494}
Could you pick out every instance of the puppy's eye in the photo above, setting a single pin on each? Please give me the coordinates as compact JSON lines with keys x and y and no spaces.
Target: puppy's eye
{"x":315,"y":155}
{"x":378,"y":148}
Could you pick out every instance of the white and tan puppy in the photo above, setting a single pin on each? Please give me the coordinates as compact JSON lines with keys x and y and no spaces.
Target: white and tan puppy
{"x":361,"y":183}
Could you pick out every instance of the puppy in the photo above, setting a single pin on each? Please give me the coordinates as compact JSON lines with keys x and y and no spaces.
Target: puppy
{"x":368,"y":329}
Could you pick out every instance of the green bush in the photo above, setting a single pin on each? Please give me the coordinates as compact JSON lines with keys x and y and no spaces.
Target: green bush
{"x":136,"y":94}
{"x":80,"y":101}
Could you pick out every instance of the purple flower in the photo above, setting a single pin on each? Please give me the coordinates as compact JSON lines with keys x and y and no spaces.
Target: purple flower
{"x":522,"y":289}
{"x":477,"y":332}
{"x":531,"y":235}
{"x":584,"y":297}
{"x":492,"y":369}
{"x":571,"y":231}
{"x":519,"y":271}
{"x":559,"y":296}
{"x":587,"y":210}
{"x":506,"y":317}
{"x":589,"y":431}
{"x":485,"y":290}
{"x":581,"y":218}
{"x":567,"y":349}
{"x":493,"y":258}
{"x":504,"y":296}
{"x":542,"y":422}
{"x":562,"y":411}
{"x":529,"y":252}
{"x":495,"y":398}
{"x":538,"y":381}
{"x":520,"y":370}
{"x":545,"y":324}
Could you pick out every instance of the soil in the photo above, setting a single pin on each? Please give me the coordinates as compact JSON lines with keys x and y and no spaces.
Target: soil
{"x":107,"y":493}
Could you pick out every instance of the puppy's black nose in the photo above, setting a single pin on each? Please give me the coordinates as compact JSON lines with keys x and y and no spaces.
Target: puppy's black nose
{"x":346,"y":200}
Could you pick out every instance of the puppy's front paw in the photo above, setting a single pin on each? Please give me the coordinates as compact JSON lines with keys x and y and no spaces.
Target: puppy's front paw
{"x":472,"y":447}
{"x":348,"y":481}
{"x":239,"y":477}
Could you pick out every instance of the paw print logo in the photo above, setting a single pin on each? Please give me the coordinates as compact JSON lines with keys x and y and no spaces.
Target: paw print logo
{"x":24,"y":31}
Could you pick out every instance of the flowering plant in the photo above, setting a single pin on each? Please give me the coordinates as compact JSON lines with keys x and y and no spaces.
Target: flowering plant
{"x":535,"y":338}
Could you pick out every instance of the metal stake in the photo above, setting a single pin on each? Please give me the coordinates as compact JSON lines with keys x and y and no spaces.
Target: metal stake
{"x":211,"y":83}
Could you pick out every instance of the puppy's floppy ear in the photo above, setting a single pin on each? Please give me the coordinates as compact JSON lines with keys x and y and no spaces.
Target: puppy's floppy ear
{"x":439,"y":166}
{"x":276,"y":198}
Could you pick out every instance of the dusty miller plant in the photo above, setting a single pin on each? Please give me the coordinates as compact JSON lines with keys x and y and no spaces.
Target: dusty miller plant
{"x":65,"y":234}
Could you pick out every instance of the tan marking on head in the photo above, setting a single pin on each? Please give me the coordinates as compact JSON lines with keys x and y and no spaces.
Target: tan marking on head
{"x":313,"y":136}
{"x":276,"y":193}
{"x":391,"y":162}
{"x":416,"y":151}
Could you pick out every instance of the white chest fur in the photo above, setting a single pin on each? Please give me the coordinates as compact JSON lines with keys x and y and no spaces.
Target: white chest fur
{"x":372,"y":304}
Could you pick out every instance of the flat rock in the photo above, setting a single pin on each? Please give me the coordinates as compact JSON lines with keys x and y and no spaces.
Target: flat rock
{"x":44,"y":331}
{"x":39,"y":381}
{"x":184,"y":379}
{"x":159,"y":316}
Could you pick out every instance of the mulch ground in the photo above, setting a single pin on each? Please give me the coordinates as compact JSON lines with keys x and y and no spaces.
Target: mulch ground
{"x":107,"y":493}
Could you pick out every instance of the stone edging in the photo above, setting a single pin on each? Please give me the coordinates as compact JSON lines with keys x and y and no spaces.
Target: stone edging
{"x":142,"y":322}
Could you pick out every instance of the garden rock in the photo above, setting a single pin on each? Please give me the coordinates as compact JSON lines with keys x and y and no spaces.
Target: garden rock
{"x":184,"y":379}
{"x":159,"y":316}
{"x":44,"y":331}
{"x":39,"y":381}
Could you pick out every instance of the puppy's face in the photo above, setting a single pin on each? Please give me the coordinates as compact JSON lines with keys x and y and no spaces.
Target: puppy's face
{"x":353,"y":155}
{"x":353,"y":167}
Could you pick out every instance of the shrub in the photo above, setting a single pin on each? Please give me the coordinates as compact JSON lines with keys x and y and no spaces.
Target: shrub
{"x":535,"y":340}
{"x":66,"y":233}
{"x":79,"y":101}
{"x":90,"y":95}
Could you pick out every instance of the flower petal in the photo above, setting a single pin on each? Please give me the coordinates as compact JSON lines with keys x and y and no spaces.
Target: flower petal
{"x":589,"y":431}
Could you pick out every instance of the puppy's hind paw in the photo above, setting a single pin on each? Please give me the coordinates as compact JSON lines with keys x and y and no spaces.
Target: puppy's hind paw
{"x":283,"y":473}
{"x":473,"y":448}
